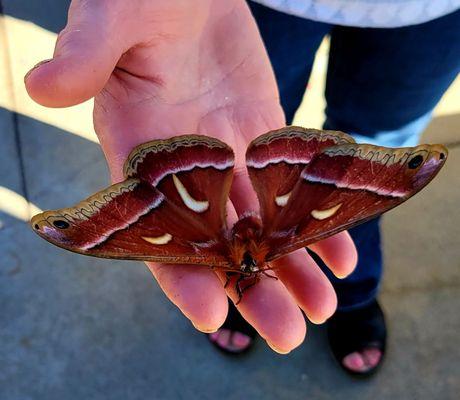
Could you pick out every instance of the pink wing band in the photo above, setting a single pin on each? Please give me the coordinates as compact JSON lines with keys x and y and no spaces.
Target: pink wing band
{"x":155,"y":160}
{"x":292,"y":145}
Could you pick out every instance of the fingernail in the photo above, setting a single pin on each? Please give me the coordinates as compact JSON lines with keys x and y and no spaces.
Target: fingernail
{"x":317,"y":321}
{"x":340,"y":276}
{"x":274,"y":348}
{"x":35,"y":67}
{"x":204,"y":330}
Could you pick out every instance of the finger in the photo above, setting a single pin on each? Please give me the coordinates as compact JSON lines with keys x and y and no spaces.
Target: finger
{"x":267,"y":305}
{"x":196,"y":291}
{"x":309,"y":286}
{"x":86,"y":53}
{"x":272,"y":311}
{"x":338,"y":252}
{"x":242,"y":194}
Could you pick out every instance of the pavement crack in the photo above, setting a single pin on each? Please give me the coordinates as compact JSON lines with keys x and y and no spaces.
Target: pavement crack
{"x":17,"y":139}
{"x":453,"y":145}
{"x":425,"y":288}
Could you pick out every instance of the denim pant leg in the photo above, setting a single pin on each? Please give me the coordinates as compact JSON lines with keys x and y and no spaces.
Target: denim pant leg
{"x":378,"y":91}
{"x":291,"y":44}
{"x":382,"y":86}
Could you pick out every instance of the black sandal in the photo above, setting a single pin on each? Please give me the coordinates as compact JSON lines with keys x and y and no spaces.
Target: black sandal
{"x":236,"y":323}
{"x":351,"y":331}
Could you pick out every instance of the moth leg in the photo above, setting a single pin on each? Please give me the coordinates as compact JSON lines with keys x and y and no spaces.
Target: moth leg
{"x":269,"y":276}
{"x":229,"y":276}
{"x":240,"y":290}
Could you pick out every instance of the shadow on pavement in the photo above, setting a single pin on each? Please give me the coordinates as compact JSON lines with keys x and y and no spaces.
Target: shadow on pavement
{"x":78,"y":327}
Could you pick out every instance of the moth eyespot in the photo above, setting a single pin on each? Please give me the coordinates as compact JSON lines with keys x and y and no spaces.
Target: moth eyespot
{"x":37,"y":227}
{"x":60,"y":224}
{"x":442,"y":156}
{"x":415,"y":162}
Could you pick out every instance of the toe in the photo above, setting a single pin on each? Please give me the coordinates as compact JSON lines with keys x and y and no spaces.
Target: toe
{"x":231,"y":341}
{"x":214,"y":336}
{"x":240,"y":340}
{"x":371,"y":357}
{"x":223,"y":339}
{"x":355,"y":362}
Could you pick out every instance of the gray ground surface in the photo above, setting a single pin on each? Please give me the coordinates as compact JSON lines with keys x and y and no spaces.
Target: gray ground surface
{"x":73,"y":327}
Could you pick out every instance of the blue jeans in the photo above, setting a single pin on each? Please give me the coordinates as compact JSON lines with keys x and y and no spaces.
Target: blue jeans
{"x":381,"y":87}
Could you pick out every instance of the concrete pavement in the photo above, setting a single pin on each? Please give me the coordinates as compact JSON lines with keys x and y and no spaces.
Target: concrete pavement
{"x":73,"y":327}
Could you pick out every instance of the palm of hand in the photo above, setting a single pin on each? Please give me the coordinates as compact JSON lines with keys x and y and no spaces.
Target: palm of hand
{"x":210,"y":77}
{"x":162,"y":73}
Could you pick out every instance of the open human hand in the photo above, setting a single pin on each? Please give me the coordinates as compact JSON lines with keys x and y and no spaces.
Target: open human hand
{"x":170,"y":67}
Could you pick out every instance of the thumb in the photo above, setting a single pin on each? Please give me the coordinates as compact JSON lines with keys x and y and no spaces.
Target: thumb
{"x":86,"y":53}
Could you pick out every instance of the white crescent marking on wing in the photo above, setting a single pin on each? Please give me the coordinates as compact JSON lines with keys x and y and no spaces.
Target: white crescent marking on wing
{"x":163,"y":239}
{"x":323,"y":214}
{"x":282,"y":200}
{"x":189,"y":201}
